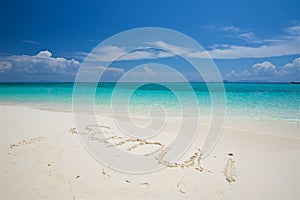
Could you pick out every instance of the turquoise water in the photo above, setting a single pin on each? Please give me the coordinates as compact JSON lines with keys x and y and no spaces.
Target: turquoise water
{"x":243,"y":100}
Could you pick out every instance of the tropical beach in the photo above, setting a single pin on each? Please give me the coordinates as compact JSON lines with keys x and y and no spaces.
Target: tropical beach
{"x":42,"y":155}
{"x":42,"y":158}
{"x":128,"y":99}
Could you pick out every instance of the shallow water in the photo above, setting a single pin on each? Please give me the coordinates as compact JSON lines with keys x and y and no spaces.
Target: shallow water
{"x":243,"y":100}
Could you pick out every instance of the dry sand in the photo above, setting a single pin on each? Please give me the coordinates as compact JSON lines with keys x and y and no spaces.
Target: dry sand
{"x":42,"y":158}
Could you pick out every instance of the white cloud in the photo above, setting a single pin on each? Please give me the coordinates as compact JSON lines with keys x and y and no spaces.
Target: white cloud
{"x":106,"y":53}
{"x":268,"y":71}
{"x":31,"y":42}
{"x":158,"y":49}
{"x":148,"y":69}
{"x":285,"y":44}
{"x":169,"y":47}
{"x":4,"y":66}
{"x":219,"y":46}
{"x":152,"y":73}
{"x":137,"y":55}
{"x":239,"y":74}
{"x":267,"y":68}
{"x":235,"y":32}
{"x":114,"y":53}
{"x":198,"y":54}
{"x":231,"y":29}
{"x":264,"y":68}
{"x":164,"y":54}
{"x":263,"y":51}
{"x":249,"y":37}
{"x":114,"y":70}
{"x":295,"y":64}
{"x":43,"y":62}
{"x":44,"y":54}
{"x":291,"y":68}
{"x":227,"y":51}
{"x":173,"y":50}
{"x":293,"y":30}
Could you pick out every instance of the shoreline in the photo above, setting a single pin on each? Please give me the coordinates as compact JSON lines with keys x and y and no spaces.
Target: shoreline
{"x":229,"y":122}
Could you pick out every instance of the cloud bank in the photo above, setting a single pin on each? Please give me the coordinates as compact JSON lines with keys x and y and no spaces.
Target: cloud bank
{"x":41,"y":65}
{"x":42,"y":62}
{"x":285,"y":44}
{"x":268,"y":71}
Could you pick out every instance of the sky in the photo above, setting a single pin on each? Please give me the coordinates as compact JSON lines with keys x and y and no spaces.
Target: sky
{"x":248,"y":40}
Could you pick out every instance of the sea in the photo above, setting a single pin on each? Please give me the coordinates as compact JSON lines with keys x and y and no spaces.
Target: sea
{"x":257,"y":101}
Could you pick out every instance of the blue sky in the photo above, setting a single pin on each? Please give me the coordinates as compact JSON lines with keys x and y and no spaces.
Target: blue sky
{"x":248,"y":39}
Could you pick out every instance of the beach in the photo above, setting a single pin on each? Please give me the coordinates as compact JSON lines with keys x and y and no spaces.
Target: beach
{"x":42,"y":158}
{"x":150,"y":100}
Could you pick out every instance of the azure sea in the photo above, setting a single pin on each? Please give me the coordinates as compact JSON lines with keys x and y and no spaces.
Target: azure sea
{"x":243,"y":100}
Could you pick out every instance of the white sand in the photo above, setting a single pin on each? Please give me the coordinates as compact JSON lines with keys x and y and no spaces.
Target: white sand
{"x":40,"y":158}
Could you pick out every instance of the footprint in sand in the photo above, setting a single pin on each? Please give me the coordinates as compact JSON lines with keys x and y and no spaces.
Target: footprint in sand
{"x":144,"y":186}
{"x":180,"y":189}
{"x":229,"y":170}
{"x":27,"y":142}
{"x":73,"y":131}
{"x":105,"y":174}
